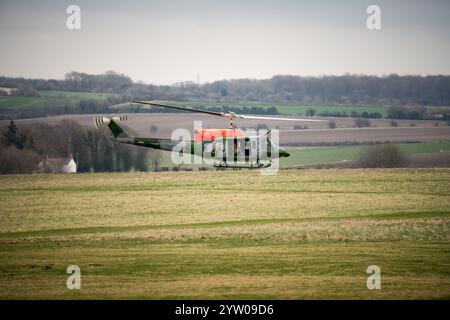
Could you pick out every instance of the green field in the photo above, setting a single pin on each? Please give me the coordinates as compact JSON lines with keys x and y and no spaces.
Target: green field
{"x":55,"y":98}
{"x":301,"y":156}
{"x":301,"y":110}
{"x":233,"y":234}
{"x":51,"y":99}
{"x":320,"y":155}
{"x":286,"y":109}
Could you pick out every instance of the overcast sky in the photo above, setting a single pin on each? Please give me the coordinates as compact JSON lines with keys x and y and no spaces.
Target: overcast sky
{"x":167,"y":41}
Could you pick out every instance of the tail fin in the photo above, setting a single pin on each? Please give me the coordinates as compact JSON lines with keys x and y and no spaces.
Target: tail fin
{"x":112,"y":125}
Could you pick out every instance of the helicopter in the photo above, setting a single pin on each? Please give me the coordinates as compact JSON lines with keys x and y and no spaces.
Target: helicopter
{"x":225,"y":148}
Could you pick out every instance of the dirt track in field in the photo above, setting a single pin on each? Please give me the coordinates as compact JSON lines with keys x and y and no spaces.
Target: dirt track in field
{"x":365,"y":135}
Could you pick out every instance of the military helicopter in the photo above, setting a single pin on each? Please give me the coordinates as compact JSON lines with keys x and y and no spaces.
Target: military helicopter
{"x":224,"y":148}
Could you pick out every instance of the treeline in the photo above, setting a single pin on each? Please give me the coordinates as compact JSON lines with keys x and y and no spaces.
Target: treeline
{"x":75,"y":81}
{"x":23,"y":147}
{"x":96,"y":106}
{"x":245,"y":110}
{"x":138,"y":108}
{"x":347,"y":89}
{"x":342,"y":114}
{"x":82,"y":107}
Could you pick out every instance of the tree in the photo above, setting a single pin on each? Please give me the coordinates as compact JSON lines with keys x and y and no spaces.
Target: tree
{"x":383,"y":156}
{"x":12,"y":136}
{"x":334,"y":90}
{"x":92,"y":141}
{"x":332,"y":124}
{"x":355,"y":114}
{"x":25,"y":90}
{"x":416,"y":113}
{"x":272,"y":110}
{"x":310,"y":112}
{"x":361,"y":123}
{"x":13,"y":160}
{"x":141,"y":159}
{"x":223,"y":92}
{"x":375,"y":115}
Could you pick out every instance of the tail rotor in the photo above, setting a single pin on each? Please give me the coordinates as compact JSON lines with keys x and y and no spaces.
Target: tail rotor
{"x":100,"y":121}
{"x":120,"y":118}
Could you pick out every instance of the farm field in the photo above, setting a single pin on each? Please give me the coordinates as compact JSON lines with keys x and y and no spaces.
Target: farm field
{"x":56,"y":98}
{"x":287,"y":109}
{"x":49,"y":98}
{"x":421,"y":130}
{"x":364,"y":135}
{"x":301,"y":109}
{"x":298,"y":234}
{"x":313,"y":155}
{"x":300,"y":156}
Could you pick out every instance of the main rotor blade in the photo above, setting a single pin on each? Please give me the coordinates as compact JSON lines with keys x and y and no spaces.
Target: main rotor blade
{"x":213,"y":113}
{"x":275,"y":118}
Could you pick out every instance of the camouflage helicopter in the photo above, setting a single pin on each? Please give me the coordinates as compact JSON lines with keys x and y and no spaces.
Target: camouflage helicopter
{"x":224,"y":148}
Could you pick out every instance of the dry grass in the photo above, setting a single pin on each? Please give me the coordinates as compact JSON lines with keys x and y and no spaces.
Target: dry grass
{"x":55,"y":202}
{"x":300,"y":234}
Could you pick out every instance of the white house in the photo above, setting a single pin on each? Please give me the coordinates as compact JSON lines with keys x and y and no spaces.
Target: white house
{"x":70,"y":167}
{"x":57,"y":165}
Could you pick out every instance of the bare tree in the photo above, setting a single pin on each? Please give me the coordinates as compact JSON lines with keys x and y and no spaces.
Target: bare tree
{"x":383,"y":156}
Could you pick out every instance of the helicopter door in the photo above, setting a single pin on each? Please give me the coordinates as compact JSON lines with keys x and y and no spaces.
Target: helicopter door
{"x":247,"y":149}
{"x":235,"y":149}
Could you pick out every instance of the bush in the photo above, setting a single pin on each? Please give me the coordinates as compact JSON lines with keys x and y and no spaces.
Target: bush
{"x":310,"y":112}
{"x":355,"y":114}
{"x":25,"y":90}
{"x":394,"y":123}
{"x":337,"y":114}
{"x":383,"y":156}
{"x":360,"y":123}
{"x":13,"y":160}
{"x":416,"y":113}
{"x":375,"y":115}
{"x":332,"y":124}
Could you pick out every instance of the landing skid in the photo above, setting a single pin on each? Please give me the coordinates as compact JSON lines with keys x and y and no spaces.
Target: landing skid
{"x":224,"y":165}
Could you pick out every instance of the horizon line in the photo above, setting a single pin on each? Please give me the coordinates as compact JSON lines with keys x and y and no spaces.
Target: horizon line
{"x":237,"y":79}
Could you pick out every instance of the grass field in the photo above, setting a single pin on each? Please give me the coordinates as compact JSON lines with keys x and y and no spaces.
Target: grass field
{"x":307,"y":156}
{"x":300,"y":156}
{"x":299,"y":234}
{"x":51,"y":99}
{"x":56,"y":98}
{"x":288,"y":109}
{"x":301,"y":109}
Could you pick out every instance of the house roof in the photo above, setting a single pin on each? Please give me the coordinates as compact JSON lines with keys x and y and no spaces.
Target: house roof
{"x":53,"y":164}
